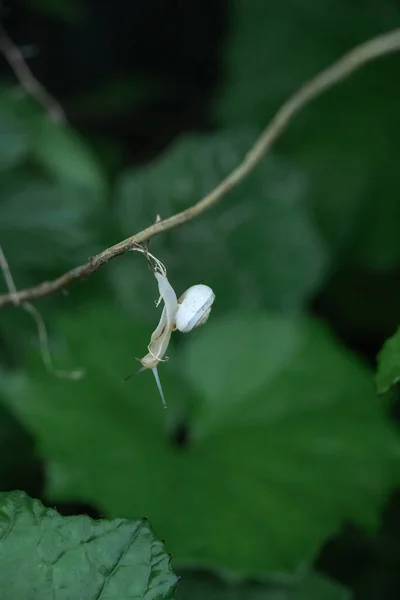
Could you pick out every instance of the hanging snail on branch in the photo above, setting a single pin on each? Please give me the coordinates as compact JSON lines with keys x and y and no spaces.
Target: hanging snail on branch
{"x":184,"y":314}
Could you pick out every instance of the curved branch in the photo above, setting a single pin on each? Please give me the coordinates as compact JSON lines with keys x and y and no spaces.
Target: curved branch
{"x":356,"y":58}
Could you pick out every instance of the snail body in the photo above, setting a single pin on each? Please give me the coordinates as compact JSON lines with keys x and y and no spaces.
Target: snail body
{"x":190,"y":311}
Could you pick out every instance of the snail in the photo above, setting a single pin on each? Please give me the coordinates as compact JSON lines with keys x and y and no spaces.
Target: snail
{"x":191,"y":310}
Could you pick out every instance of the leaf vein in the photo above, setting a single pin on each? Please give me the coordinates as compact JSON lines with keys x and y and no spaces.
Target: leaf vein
{"x":121,"y":556}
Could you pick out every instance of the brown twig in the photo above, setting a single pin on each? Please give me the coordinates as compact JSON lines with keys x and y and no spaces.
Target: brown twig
{"x":27,"y":80}
{"x":359,"y":56}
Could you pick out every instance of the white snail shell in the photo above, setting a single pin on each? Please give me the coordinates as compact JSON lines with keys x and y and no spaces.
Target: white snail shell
{"x":194,"y":307}
{"x":191,"y":310}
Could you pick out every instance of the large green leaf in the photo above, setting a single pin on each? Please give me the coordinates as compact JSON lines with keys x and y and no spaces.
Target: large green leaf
{"x":389,"y":363}
{"x":27,"y":131}
{"x":14,"y":139}
{"x":45,"y":223}
{"x":285,"y":437}
{"x":257,"y":248}
{"x":310,"y":587}
{"x":66,"y":156}
{"x":51,"y":193}
{"x":46,"y":556}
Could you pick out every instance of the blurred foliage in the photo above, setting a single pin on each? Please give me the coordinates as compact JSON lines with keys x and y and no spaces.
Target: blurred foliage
{"x":276,"y":262}
{"x":389,"y":363}
{"x":44,"y":555}
{"x":71,"y":12}
{"x":262,"y":69}
{"x":18,"y":464}
{"x":52,"y":191}
{"x":296,"y":419}
{"x":197,"y":587}
{"x":343,"y":144}
{"x":14,"y":140}
{"x":274,"y":437}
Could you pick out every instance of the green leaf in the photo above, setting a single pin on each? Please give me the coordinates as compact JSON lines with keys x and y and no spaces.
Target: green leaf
{"x":285,"y":437}
{"x":310,"y":587}
{"x":389,"y":363}
{"x":342,"y":143}
{"x":258,"y":248}
{"x":66,"y":156}
{"x":14,"y":139}
{"x":44,"y":223}
{"x":26,"y":131}
{"x":262,"y":69}
{"x":44,"y":555}
{"x":347,"y":159}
